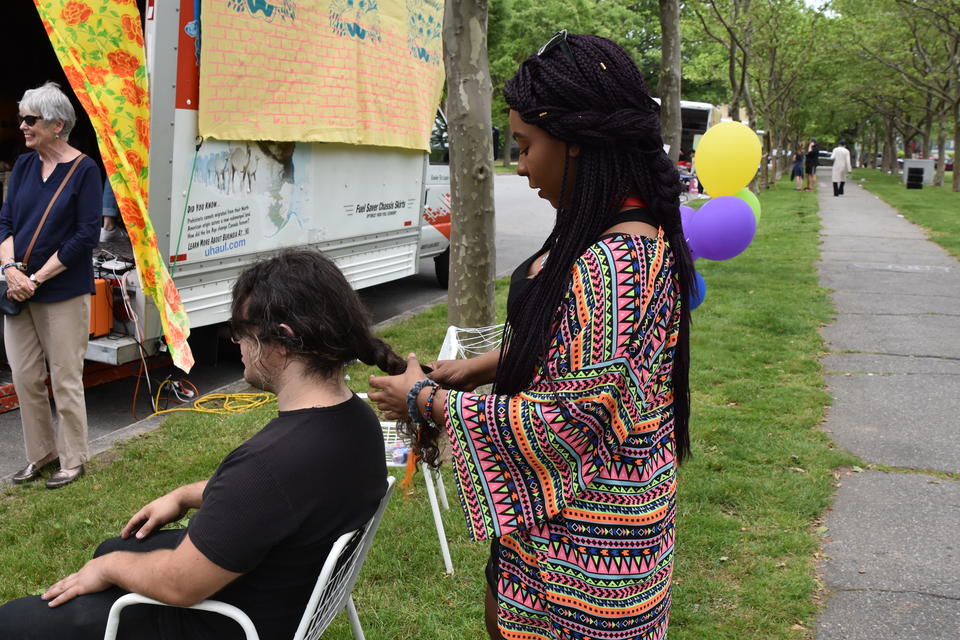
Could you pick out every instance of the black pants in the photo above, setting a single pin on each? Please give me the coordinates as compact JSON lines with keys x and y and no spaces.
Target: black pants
{"x":85,"y":617}
{"x":838,"y":188}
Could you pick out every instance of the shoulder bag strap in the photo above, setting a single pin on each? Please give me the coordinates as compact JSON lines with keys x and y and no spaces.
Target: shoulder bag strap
{"x":63,"y":183}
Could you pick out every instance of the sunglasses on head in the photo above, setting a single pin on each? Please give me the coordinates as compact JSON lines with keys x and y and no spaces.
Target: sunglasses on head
{"x":30,"y":120}
{"x":559,"y":39}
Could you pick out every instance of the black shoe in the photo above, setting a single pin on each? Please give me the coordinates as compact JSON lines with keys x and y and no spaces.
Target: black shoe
{"x":31,"y":472}
{"x":64,"y":477}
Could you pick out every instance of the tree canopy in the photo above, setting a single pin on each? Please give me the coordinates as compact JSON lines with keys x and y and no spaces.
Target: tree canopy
{"x":883,"y":74}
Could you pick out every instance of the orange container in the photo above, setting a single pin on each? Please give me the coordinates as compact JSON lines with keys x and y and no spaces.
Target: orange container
{"x":101,"y":309}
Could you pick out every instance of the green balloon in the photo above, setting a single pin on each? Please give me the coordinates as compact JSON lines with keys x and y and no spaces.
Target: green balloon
{"x":751,"y":199}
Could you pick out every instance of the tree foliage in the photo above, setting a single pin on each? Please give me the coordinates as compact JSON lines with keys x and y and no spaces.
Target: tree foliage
{"x":519,"y":27}
{"x":884,"y":74}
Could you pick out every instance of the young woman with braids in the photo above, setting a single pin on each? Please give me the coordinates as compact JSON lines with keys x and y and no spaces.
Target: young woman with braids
{"x":268,"y":516}
{"x":569,"y":466}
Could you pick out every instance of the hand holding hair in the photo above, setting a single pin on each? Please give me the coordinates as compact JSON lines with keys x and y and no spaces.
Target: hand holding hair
{"x":389,"y":393}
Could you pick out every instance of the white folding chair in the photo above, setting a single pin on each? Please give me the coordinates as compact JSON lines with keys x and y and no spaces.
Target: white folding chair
{"x":331,"y":594}
{"x":457,"y":343}
{"x":393,"y":439}
{"x":467,"y":342}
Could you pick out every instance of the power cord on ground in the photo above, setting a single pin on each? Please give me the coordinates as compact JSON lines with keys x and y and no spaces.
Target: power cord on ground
{"x":224,"y":403}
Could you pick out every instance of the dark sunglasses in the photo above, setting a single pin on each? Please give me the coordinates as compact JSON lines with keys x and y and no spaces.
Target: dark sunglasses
{"x":30,"y":120}
{"x":559,"y":39}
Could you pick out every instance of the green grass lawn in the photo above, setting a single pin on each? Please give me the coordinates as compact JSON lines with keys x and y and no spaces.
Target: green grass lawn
{"x":750,"y":500}
{"x":935,"y":208}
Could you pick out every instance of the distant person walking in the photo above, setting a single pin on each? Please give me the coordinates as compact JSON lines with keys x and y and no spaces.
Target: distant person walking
{"x":813,"y":161}
{"x":841,"y":167}
{"x":796,"y":173}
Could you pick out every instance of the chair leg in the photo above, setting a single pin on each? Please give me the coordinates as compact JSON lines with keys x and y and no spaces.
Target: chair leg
{"x":441,"y":490}
{"x":354,"y":619}
{"x":435,"y":507}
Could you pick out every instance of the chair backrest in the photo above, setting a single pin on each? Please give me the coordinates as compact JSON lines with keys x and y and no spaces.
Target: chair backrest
{"x":339,"y":574}
{"x":466,"y":342}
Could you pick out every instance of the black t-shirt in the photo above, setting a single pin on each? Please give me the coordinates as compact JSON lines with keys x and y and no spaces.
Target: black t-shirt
{"x":274,"y":507}
{"x":813,"y":156}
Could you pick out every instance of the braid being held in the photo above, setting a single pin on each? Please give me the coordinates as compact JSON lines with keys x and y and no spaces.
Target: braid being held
{"x":328,"y":325}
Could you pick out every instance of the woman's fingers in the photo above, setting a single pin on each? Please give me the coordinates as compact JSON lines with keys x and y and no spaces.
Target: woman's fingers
{"x":389,"y":393}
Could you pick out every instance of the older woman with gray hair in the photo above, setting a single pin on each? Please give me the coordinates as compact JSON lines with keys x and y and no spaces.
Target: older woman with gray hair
{"x":49,"y":226}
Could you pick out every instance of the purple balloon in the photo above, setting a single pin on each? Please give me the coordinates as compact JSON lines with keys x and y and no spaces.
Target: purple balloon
{"x":722,"y":228}
{"x":686,"y":218}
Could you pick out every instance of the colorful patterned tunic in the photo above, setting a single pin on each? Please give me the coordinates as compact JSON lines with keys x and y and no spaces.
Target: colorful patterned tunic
{"x":576,"y":475}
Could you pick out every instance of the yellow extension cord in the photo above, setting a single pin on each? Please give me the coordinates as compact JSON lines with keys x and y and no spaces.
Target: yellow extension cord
{"x":218,"y":403}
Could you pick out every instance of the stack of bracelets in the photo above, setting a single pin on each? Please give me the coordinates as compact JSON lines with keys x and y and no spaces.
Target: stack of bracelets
{"x":425,"y":418}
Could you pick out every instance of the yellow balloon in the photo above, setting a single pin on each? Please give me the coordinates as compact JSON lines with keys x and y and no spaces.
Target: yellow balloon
{"x":728,"y":157}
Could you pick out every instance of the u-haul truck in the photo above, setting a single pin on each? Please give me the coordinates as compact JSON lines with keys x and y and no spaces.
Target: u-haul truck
{"x":217,"y":206}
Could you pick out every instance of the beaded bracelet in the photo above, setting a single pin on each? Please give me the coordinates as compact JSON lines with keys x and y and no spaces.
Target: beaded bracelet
{"x":428,"y":409}
{"x":412,"y":409}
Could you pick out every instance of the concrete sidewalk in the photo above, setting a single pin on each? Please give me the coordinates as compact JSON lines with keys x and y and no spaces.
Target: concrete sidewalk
{"x":892,"y":555}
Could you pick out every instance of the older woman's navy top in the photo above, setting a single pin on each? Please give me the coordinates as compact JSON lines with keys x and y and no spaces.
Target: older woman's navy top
{"x":72,"y":229}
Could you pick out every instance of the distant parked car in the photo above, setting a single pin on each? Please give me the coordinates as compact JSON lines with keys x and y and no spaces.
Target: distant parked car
{"x":880,"y":162}
{"x":948,"y":165}
{"x":826,"y":158}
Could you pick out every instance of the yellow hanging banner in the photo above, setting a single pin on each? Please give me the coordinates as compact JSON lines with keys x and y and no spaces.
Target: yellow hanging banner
{"x":100,"y":46}
{"x":358,"y":72}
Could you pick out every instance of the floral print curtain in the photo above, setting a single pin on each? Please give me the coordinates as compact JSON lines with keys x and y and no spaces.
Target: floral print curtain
{"x":100,"y":45}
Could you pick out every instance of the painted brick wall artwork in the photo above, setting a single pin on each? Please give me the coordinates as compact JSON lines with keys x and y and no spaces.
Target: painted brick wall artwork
{"x":353,"y":71}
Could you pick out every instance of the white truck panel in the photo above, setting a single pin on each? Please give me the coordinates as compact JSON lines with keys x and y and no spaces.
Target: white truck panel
{"x":218,"y":209}
{"x":435,"y":234}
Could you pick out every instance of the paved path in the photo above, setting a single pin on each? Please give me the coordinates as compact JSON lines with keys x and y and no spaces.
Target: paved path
{"x":892,"y":563}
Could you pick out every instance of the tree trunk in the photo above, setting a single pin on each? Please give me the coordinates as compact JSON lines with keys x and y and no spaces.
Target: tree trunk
{"x":777,"y":151}
{"x":889,"y":148}
{"x":927,"y":126}
{"x":469,"y":94}
{"x":734,"y":84}
{"x":747,"y":98}
{"x":956,"y":149}
{"x":669,"y":89}
{"x":908,"y":144}
{"x":941,"y":149}
{"x":784,"y":158}
{"x":765,"y":159}
{"x":856,"y":145}
{"x":506,"y":142}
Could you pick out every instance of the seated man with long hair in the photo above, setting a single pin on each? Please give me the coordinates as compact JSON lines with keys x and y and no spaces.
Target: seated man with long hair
{"x":267,"y":518}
